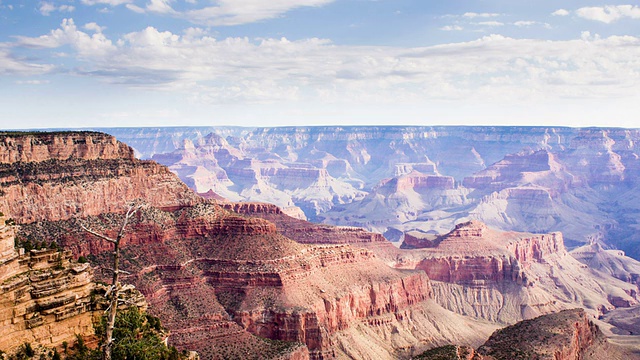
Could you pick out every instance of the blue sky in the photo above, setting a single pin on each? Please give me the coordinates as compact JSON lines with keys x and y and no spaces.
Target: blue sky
{"x":75,"y":63}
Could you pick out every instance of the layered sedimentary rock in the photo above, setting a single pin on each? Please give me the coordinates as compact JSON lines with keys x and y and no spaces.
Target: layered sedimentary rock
{"x":509,"y":276}
{"x":220,"y":280}
{"x":206,"y":282}
{"x":215,"y":164}
{"x":79,"y":174}
{"x":45,"y":298}
{"x":303,"y":231}
{"x":581,"y":182}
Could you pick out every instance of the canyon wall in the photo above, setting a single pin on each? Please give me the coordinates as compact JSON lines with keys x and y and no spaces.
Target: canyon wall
{"x":79,"y":174}
{"x":45,"y":297}
{"x":395,"y":180}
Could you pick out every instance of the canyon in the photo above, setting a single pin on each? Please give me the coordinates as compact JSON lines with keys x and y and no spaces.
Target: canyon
{"x":224,"y":283}
{"x":399,"y":180}
{"x":255,"y":280}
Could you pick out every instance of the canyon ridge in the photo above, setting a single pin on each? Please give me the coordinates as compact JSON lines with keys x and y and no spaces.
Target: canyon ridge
{"x":252,"y":279}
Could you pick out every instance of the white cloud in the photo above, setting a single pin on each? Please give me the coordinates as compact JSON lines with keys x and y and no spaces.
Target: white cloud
{"x":93,"y":27}
{"x":560,"y":12}
{"x":86,"y":46}
{"x":529,"y":23}
{"x":13,"y":65}
{"x":229,"y":12}
{"x":32,"y":82}
{"x":524,"y":23}
{"x":46,"y":8}
{"x":452,"y":28}
{"x":268,"y":70}
{"x":473,"y":15}
{"x":106,"y":2}
{"x":609,"y":14}
{"x":490,"y":23}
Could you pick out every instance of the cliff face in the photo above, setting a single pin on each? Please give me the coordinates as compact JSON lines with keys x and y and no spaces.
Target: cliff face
{"x":566,"y":335}
{"x":393,"y":180}
{"x":509,"y":276}
{"x":44,"y":297}
{"x":79,"y":174}
{"x":304,"y":231}
{"x":219,"y":279}
{"x":39,"y":147}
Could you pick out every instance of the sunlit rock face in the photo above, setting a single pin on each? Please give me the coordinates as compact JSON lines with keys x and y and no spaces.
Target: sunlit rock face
{"x":570,"y":334}
{"x":58,"y":176}
{"x":45,"y":296}
{"x":509,"y":276}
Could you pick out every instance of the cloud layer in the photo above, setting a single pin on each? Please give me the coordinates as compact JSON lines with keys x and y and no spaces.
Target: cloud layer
{"x":227,"y":70}
{"x":609,"y":14}
{"x":225,"y":12}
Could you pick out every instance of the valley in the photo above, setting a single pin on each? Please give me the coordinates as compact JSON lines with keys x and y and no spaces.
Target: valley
{"x":252,"y":279}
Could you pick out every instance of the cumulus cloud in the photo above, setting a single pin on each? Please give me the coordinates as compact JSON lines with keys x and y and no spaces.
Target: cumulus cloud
{"x":265,"y":70}
{"x":609,"y":14}
{"x":560,"y":12}
{"x":86,"y":46}
{"x":93,"y":27}
{"x":228,"y":12}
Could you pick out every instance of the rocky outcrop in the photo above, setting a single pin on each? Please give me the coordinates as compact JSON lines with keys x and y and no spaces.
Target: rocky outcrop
{"x":45,"y":297}
{"x":304,"y":231}
{"x":508,"y":276}
{"x":38,"y":147}
{"x":419,"y":240}
{"x":79,"y":174}
{"x":566,"y":335}
{"x":417,"y":182}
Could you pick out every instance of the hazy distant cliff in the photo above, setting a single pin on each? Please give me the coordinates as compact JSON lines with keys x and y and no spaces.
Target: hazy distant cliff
{"x":395,"y":180}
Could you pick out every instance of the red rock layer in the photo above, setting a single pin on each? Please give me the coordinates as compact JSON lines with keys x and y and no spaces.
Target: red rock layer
{"x":303,"y":231}
{"x":61,"y":176}
{"x":37,"y":147}
{"x":472,"y":252}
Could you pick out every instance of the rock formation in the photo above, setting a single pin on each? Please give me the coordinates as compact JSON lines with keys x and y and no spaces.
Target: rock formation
{"x":394,"y":180}
{"x":566,"y":335}
{"x":45,"y":297}
{"x":509,"y":276}
{"x":227,"y":284}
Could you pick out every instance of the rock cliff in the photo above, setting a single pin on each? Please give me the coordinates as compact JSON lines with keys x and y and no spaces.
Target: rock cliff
{"x":79,"y":174}
{"x":566,"y":335}
{"x":394,"y":180}
{"x":508,"y":276}
{"x":221,"y":280}
{"x":45,"y":297}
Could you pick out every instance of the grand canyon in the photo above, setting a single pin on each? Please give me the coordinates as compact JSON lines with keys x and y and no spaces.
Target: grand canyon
{"x":332,"y":242}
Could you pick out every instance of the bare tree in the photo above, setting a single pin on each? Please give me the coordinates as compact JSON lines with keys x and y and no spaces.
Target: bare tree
{"x":114,"y":290}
